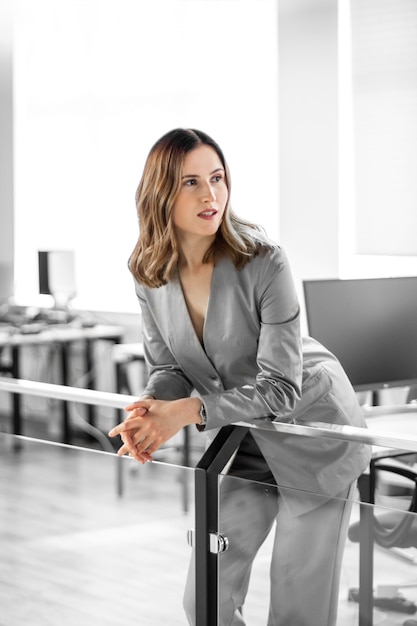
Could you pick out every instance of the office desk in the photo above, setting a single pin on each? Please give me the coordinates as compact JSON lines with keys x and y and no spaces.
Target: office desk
{"x":400,"y":422}
{"x":63,"y":337}
{"x":123,"y":354}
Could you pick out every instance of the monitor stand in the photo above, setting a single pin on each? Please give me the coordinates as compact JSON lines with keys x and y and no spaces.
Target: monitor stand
{"x":60,"y":311}
{"x":375,"y":398}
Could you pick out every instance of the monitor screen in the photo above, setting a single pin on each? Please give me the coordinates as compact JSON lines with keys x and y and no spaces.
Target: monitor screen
{"x":57,"y":275}
{"x":370,"y":325}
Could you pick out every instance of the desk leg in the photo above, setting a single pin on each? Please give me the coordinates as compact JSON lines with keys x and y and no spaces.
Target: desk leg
{"x":366,"y":553}
{"x":65,"y":424}
{"x":121,"y":383}
{"x":16,"y":400}
{"x":89,"y":364}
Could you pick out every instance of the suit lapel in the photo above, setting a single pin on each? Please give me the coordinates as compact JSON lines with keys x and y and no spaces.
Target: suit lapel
{"x":183,"y":340}
{"x":181,"y":332}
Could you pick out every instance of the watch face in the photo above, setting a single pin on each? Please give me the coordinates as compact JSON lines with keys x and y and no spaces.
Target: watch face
{"x":203,"y":414}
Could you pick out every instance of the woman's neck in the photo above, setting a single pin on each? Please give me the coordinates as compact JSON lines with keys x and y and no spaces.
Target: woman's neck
{"x":192,"y":253}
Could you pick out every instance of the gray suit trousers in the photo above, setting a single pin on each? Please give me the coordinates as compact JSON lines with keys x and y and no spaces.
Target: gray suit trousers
{"x":305,"y":563}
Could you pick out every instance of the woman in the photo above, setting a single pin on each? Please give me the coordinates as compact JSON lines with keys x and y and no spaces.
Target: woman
{"x":221,"y":321}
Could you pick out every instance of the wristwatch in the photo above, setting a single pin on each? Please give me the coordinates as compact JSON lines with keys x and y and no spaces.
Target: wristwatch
{"x":203,"y":415}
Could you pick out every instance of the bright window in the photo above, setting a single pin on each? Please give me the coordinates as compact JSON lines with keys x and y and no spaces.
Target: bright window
{"x":378,"y":137}
{"x":96,"y":83}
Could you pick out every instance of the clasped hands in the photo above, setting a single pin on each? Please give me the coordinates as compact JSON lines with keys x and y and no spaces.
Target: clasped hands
{"x":150,"y":423}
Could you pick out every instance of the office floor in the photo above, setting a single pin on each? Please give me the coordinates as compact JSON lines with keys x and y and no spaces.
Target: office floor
{"x":74,"y":553}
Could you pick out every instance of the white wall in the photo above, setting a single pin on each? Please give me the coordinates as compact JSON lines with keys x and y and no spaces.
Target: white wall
{"x":96,"y":83}
{"x":308,"y":118}
{"x":6,"y":153}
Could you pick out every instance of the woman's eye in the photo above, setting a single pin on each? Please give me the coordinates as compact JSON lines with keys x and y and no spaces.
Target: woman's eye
{"x":190,"y":182}
{"x":218,"y":178}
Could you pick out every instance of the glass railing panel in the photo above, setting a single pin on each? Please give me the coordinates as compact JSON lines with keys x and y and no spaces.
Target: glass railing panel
{"x":246,"y":507}
{"x":394,"y":585}
{"x":395,"y":535}
{"x":75,"y":552}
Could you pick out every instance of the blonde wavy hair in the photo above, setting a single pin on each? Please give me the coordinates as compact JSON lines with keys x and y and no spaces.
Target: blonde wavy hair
{"x":154,"y":259}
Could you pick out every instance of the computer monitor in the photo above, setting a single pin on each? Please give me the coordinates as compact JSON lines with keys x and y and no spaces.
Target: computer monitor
{"x":57,"y":276}
{"x":370,"y":325}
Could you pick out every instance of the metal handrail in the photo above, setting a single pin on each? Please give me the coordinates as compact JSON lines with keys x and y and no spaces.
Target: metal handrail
{"x":307,"y":429}
{"x":64,"y":392}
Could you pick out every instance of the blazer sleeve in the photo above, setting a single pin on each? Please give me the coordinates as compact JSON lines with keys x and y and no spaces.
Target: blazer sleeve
{"x":276,"y":387}
{"x":166,"y":379}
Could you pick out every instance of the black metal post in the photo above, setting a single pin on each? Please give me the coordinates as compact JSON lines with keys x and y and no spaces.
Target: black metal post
{"x":208,"y":468}
{"x":366,"y":551}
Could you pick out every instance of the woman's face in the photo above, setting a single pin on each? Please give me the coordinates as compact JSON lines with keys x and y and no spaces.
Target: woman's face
{"x":201,"y":201}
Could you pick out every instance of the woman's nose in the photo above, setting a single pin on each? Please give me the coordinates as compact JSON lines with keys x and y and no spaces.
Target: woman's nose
{"x":209,"y":193}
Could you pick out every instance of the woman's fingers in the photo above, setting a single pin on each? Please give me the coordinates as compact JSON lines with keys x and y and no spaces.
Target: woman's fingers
{"x":131,"y":407}
{"x":141,"y":457}
{"x":135,"y":442}
{"x":128,"y":424}
{"x":128,"y":441}
{"x":139,"y":404}
{"x":144,"y":430}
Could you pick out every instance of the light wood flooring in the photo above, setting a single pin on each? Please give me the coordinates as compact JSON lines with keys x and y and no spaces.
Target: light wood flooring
{"x":74,"y":553}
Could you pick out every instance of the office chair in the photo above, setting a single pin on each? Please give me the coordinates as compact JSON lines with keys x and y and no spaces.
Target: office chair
{"x":390,"y":529}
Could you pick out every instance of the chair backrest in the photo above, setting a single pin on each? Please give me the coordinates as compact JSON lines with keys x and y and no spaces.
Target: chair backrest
{"x":396,"y":528}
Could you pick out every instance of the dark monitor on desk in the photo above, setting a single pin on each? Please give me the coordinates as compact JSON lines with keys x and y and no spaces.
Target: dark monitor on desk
{"x":370,"y":325}
{"x":57,"y":275}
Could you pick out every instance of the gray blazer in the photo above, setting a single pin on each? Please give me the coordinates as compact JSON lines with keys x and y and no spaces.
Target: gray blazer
{"x":254,"y":364}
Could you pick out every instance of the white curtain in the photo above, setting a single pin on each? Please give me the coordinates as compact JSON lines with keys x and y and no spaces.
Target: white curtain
{"x":384,"y":70}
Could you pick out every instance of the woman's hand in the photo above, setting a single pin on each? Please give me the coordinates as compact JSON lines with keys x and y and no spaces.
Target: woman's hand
{"x":151,"y":423}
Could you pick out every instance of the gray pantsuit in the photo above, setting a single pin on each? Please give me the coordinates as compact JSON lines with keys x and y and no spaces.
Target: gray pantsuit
{"x":254,"y":365}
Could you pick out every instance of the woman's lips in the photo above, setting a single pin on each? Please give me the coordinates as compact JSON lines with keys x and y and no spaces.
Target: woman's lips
{"x":208,"y":214}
